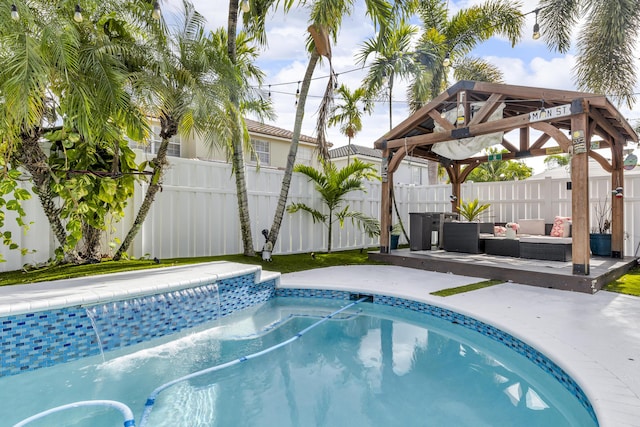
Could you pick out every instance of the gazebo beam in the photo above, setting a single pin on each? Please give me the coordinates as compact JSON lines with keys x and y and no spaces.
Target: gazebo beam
{"x":617,"y":203}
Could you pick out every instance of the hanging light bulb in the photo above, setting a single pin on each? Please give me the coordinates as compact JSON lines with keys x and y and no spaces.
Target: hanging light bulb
{"x":298,"y":93}
{"x":536,"y":27}
{"x":77,"y":14}
{"x":443,"y":113}
{"x":157,"y":13}
{"x":447,"y":60}
{"x":335,"y":83}
{"x":14,"y":12}
{"x":269,"y":91}
{"x":245,"y":6}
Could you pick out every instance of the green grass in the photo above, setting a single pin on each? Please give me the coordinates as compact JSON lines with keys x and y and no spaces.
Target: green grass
{"x":628,"y":284}
{"x":466,"y":288}
{"x":281,"y":263}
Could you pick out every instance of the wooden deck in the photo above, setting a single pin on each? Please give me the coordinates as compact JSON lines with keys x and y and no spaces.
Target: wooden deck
{"x":548,"y":274}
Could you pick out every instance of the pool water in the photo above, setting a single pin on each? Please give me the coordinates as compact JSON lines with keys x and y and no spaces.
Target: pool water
{"x":372,"y":366}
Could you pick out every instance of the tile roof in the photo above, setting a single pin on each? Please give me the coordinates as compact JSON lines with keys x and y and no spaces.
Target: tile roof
{"x":375,"y":153}
{"x":264,"y":129}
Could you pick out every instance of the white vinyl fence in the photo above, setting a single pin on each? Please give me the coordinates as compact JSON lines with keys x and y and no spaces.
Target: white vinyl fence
{"x":196,"y":212}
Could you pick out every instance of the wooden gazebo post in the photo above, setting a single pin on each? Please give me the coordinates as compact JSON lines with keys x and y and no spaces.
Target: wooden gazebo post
{"x":581,"y":140}
{"x":385,"y":202}
{"x":617,"y":203}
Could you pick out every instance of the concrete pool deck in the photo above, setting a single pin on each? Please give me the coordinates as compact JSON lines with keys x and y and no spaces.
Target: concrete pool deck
{"x":594,"y":338}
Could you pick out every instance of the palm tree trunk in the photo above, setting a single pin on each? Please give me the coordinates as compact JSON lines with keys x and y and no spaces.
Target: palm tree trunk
{"x":159,"y":164}
{"x":238,"y":155}
{"x":349,"y":152}
{"x":243,"y":199}
{"x":390,"y":101}
{"x":293,"y":149}
{"x":330,"y":227}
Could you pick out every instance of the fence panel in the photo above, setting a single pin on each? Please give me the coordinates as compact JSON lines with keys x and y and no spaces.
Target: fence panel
{"x":196,"y":213}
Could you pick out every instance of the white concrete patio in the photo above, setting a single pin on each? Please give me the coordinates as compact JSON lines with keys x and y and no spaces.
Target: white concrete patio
{"x":594,"y":338}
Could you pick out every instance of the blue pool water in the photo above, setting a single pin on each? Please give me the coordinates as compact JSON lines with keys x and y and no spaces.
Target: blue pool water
{"x":371,"y":366}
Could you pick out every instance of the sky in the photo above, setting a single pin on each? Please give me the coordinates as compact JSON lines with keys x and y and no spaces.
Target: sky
{"x":284,"y":60}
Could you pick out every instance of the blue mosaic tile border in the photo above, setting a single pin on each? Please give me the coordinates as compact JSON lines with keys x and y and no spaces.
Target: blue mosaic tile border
{"x":492,"y":332}
{"x":36,"y":340}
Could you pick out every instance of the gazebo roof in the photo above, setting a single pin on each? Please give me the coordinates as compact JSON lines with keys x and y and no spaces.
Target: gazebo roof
{"x":522,"y":108}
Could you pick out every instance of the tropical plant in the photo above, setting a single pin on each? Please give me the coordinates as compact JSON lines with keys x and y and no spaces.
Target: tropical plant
{"x":334,"y":184}
{"x":326,"y":18}
{"x":191,"y":90}
{"x":471,"y":210}
{"x":453,"y":38}
{"x":499,"y":170}
{"x":606,"y":56}
{"x":74,"y":93}
{"x":392,"y":59}
{"x":348,"y":114}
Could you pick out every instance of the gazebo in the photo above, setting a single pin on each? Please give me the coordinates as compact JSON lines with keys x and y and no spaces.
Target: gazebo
{"x":455,"y":126}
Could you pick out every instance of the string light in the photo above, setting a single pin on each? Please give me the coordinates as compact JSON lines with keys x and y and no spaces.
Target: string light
{"x":14,"y":12}
{"x":269,"y":91}
{"x":77,"y":14}
{"x":447,"y":60}
{"x":156,"y":14}
{"x":298,"y":92}
{"x":536,"y":27}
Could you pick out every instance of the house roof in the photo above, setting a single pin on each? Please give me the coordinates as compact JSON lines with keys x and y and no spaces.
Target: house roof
{"x":264,"y":129}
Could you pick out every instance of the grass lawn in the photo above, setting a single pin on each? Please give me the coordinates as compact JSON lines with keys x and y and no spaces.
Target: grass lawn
{"x":281,"y":263}
{"x":628,"y":284}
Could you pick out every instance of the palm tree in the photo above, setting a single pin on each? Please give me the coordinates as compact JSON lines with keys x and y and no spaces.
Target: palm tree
{"x":81,"y":81}
{"x":326,"y":18}
{"x":606,"y":44}
{"x":348,"y":114}
{"x":393,"y":59}
{"x":334,"y":184}
{"x":453,"y":38}
{"x":190,"y":93}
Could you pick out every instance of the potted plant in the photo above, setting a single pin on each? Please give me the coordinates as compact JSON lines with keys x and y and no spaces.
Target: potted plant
{"x":471,"y":210}
{"x":396,"y":230}
{"x":600,"y":237}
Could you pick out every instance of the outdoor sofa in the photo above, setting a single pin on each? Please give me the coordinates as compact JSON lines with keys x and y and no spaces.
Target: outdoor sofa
{"x":534,"y":239}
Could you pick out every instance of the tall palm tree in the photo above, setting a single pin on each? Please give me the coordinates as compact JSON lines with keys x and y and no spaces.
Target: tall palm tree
{"x":190,"y":92}
{"x":605,"y":60}
{"x":348,"y":114}
{"x":334,"y":184}
{"x":326,"y":17}
{"x":392,"y":59}
{"x":453,"y":38}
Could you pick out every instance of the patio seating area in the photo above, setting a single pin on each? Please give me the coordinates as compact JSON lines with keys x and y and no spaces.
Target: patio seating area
{"x":535,"y":241}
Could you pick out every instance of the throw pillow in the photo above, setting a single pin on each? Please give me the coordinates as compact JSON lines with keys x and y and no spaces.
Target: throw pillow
{"x":560,"y":227}
{"x":499,"y":231}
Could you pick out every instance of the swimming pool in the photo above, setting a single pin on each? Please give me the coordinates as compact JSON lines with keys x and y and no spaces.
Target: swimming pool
{"x":373,"y":365}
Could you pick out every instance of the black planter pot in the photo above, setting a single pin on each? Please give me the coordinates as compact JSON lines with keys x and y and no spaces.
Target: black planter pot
{"x":600,"y":244}
{"x":394,"y":241}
